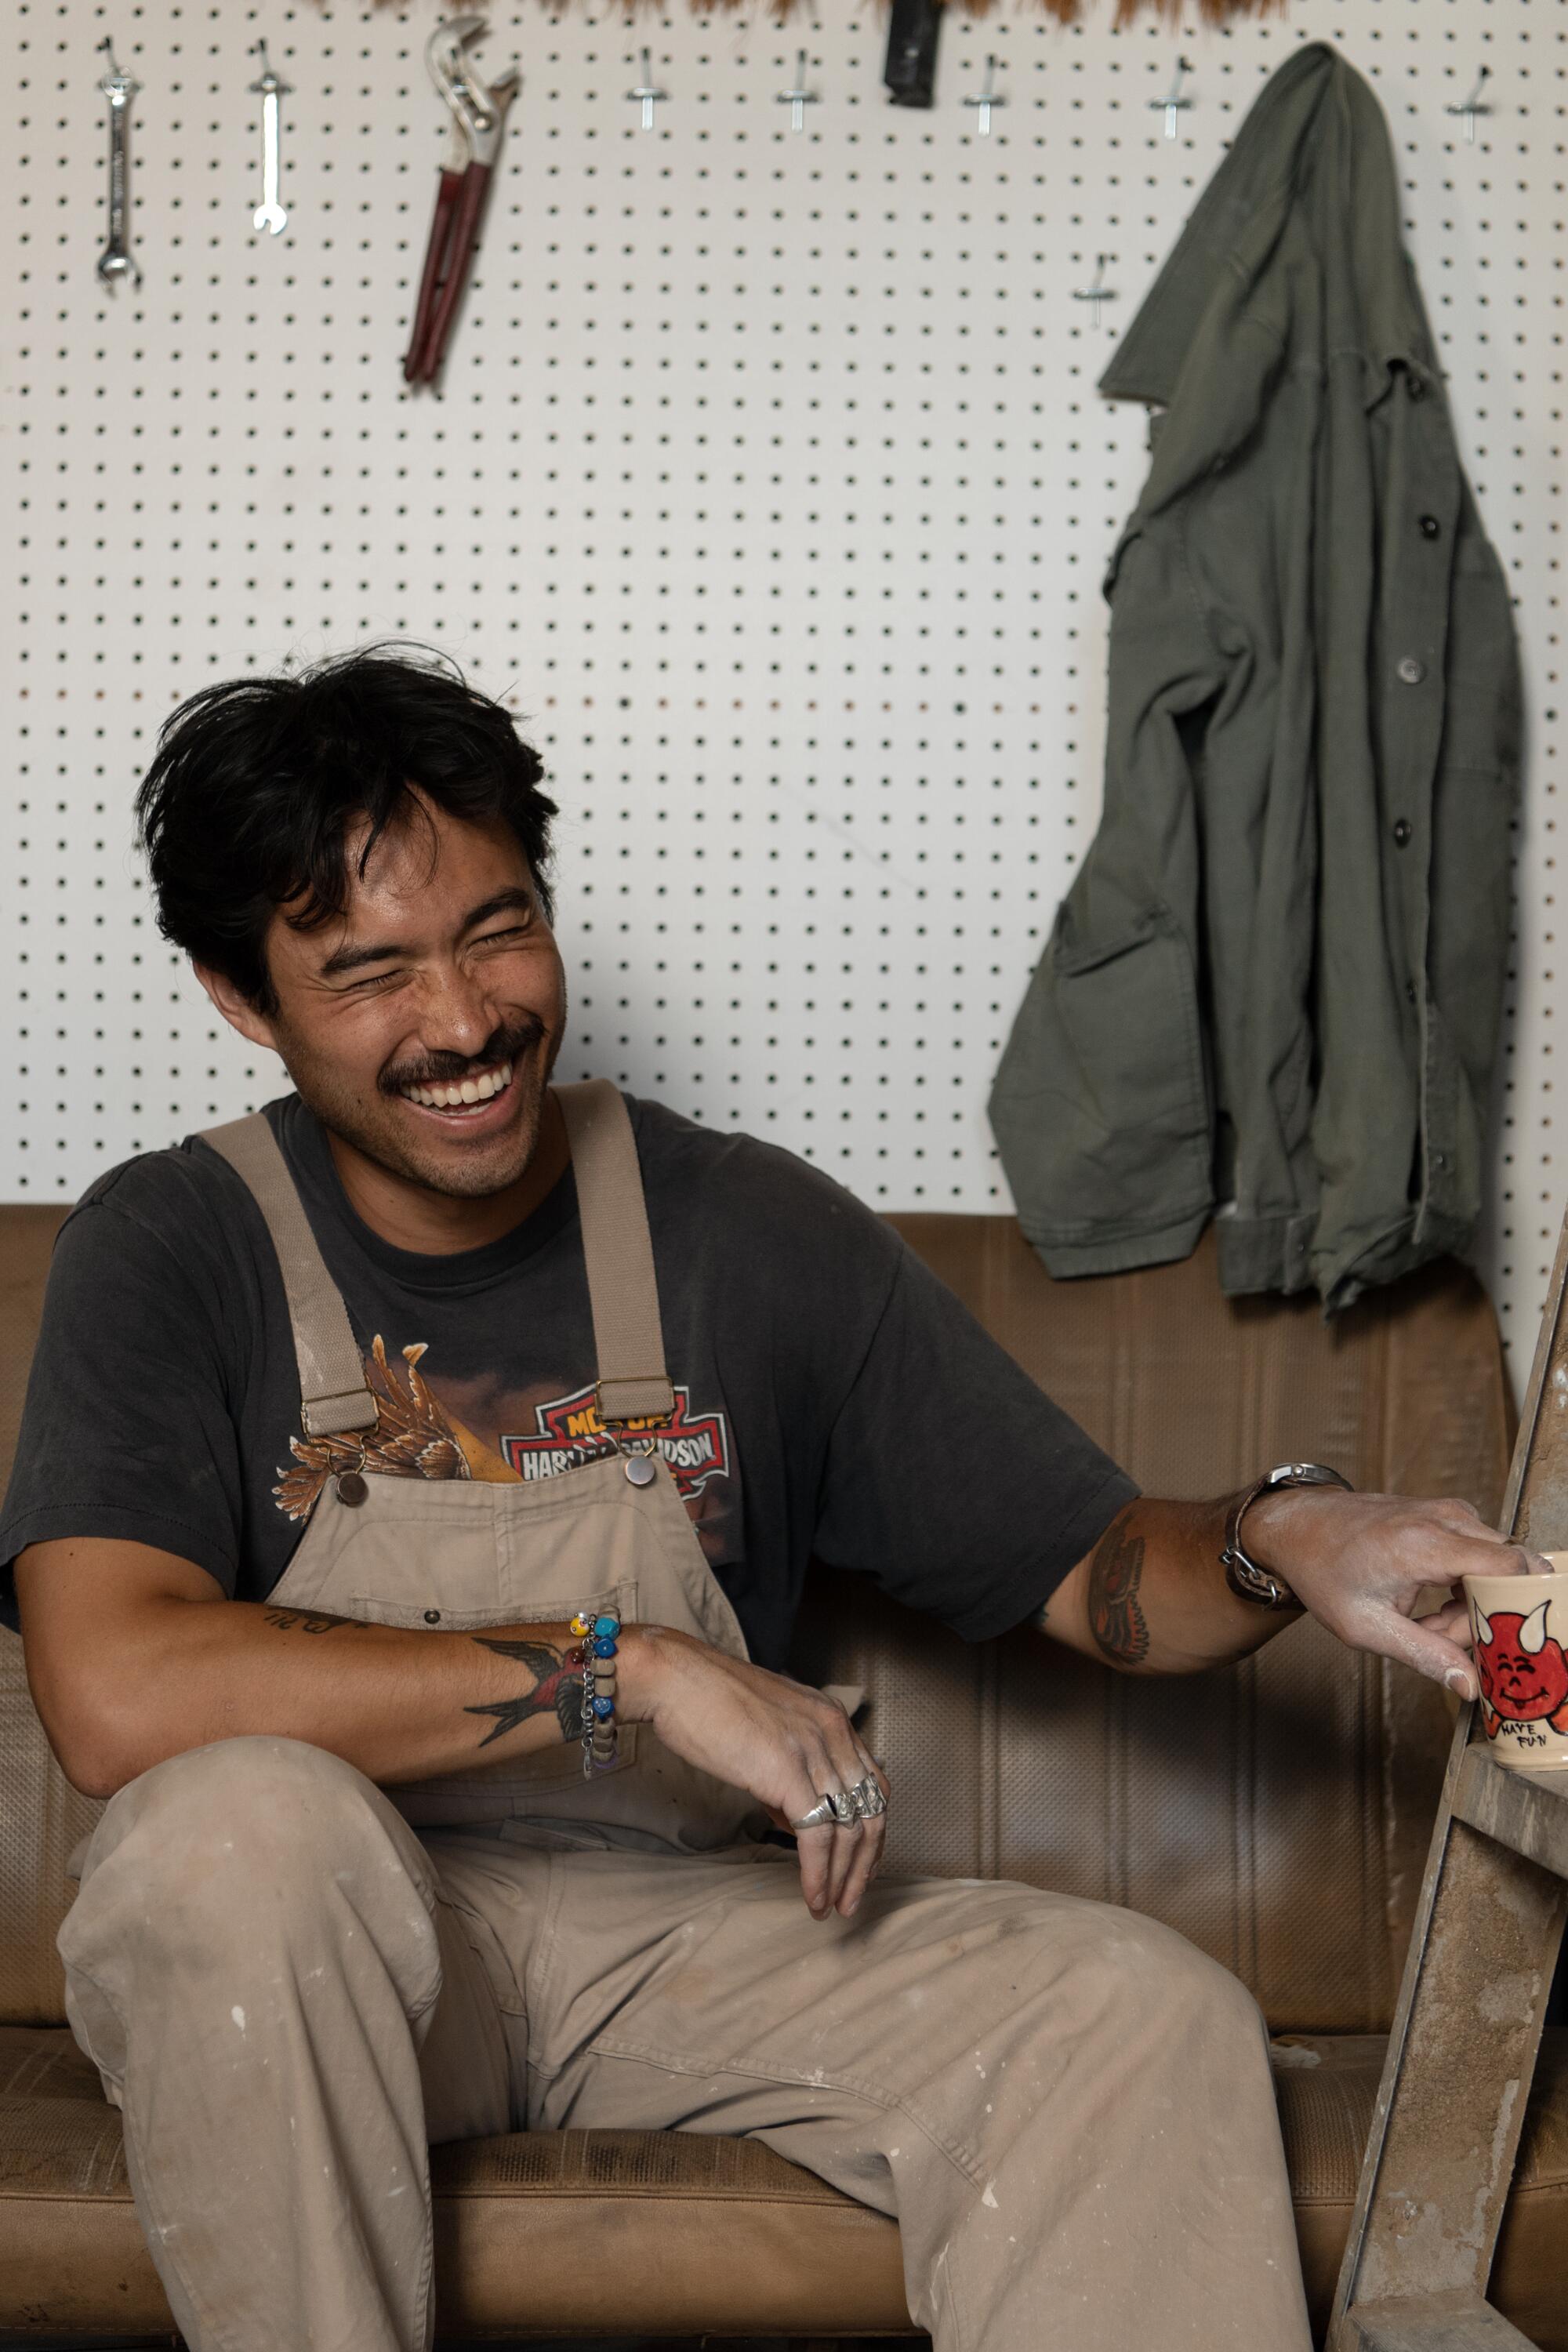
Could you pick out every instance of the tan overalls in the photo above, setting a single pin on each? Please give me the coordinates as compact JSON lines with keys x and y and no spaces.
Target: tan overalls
{"x":291,"y":1980}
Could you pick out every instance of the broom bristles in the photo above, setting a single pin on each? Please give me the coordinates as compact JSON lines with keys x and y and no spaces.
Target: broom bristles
{"x":1066,"y":12}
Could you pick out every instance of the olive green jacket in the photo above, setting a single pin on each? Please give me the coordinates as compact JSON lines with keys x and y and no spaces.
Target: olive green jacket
{"x":1274,"y":987}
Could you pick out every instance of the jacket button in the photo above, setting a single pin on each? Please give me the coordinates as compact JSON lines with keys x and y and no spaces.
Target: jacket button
{"x":1411,"y":671}
{"x":351,"y":1488}
{"x":432,"y":1616}
{"x":1401,"y":830}
{"x":1430,"y":527}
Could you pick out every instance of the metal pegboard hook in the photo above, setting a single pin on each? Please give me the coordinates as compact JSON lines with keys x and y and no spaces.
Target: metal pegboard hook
{"x":986,"y":98}
{"x":1175,"y":104}
{"x":799,"y":97}
{"x":1473,"y":105}
{"x":647,"y":92}
{"x":1098,"y":291}
{"x":117,"y":84}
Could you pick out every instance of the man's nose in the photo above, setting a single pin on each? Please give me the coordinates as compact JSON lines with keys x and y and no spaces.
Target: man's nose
{"x":455,"y":1015}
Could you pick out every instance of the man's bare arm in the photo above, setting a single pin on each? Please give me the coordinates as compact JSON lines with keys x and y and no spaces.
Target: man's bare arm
{"x":134,"y":1654}
{"x":1151,"y":1599}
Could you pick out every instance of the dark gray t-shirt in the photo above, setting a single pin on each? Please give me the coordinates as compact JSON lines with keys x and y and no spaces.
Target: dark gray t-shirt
{"x":834,"y":1398}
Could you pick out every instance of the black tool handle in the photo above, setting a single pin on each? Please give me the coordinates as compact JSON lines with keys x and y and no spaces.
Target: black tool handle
{"x":911,"y":68}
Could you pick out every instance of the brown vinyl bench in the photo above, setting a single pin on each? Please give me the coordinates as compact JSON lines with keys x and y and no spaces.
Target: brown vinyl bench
{"x":1277,"y":1813}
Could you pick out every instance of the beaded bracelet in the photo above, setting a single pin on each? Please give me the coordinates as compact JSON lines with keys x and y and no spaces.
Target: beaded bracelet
{"x":596,"y":1657}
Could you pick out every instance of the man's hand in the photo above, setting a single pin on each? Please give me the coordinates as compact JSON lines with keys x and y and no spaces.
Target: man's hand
{"x":781,"y":1741}
{"x":1151,"y":1598}
{"x":1362,"y":1562}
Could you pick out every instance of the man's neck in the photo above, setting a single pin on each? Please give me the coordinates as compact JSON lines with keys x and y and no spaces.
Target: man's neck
{"x":440,"y":1225}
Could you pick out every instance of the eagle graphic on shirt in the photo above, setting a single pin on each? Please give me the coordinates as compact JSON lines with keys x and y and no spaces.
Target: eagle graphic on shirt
{"x":418,"y":1436}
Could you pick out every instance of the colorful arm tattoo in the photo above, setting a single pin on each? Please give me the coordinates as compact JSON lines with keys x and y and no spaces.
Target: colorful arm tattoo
{"x":557,"y":1689}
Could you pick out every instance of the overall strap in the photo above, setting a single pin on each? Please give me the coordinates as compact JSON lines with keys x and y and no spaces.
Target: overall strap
{"x":623,"y":1290}
{"x":332,"y":1391}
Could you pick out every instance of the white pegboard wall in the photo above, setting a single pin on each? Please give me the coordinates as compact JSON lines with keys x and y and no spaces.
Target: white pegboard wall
{"x":769,"y":485}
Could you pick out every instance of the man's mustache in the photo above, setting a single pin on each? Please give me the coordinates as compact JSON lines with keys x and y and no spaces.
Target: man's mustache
{"x":508,"y":1043}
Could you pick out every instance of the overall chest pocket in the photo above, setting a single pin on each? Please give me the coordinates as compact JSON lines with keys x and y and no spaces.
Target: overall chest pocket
{"x":407,"y":1547}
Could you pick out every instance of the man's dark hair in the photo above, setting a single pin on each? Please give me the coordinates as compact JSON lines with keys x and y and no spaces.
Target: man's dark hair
{"x":257,"y":782}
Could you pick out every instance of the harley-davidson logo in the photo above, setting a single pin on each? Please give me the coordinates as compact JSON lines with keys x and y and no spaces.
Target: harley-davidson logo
{"x":696,"y":1447}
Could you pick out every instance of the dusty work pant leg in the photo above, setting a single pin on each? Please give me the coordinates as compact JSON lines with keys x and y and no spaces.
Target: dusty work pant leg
{"x":1067,"y":2107}
{"x":261,"y":1966}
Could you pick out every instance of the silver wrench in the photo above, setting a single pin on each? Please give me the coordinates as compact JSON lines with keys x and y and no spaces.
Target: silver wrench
{"x":115,"y":261}
{"x":269,"y":214}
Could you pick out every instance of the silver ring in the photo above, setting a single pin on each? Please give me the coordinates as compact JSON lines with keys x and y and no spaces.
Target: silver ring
{"x":868,"y":1798}
{"x":835,"y":1807}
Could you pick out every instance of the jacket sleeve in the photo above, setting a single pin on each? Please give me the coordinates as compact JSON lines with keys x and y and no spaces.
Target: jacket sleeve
{"x":1102,"y":1104}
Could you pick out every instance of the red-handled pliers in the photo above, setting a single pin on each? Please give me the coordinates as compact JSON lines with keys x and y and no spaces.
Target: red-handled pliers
{"x":479,"y":119}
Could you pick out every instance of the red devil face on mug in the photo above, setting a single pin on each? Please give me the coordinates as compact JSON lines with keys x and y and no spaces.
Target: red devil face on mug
{"x":1524,"y":1674}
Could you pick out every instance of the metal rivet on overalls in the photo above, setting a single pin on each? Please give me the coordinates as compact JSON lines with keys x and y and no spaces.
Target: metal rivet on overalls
{"x":432,"y":1616}
{"x":351,"y":1488}
{"x":640,"y":1471}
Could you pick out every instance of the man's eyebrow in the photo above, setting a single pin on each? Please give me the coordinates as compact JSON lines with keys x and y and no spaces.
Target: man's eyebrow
{"x":349,"y":959}
{"x":505,"y":902}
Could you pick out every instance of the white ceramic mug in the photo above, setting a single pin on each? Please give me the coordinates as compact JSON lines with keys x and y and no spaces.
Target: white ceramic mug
{"x":1519,"y":1626}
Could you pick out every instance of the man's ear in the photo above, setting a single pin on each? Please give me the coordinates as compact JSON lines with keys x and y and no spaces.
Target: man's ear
{"x":237,"y":1010}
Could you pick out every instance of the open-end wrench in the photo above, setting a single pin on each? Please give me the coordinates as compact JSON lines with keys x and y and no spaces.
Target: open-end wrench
{"x":115,"y":261}
{"x":269,"y":214}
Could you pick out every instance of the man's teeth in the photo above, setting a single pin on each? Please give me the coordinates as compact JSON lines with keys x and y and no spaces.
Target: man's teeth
{"x":466,"y":1091}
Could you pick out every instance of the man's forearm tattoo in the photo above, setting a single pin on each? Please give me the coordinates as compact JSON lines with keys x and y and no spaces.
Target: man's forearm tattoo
{"x":557,"y":1689}
{"x":307,"y":1620}
{"x":1115,"y":1618}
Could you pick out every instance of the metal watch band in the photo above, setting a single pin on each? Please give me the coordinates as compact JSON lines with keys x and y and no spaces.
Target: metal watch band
{"x":1246,"y":1577}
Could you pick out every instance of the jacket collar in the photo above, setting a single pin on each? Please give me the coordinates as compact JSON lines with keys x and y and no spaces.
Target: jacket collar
{"x":1315,"y":142}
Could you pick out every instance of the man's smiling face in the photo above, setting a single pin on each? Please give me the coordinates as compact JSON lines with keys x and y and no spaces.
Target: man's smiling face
{"x":420,"y":1025}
